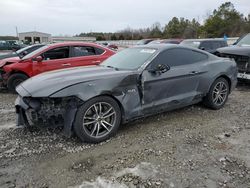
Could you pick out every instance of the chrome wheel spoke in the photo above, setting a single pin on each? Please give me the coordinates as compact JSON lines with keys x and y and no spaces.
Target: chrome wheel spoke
{"x":104,"y":114}
{"x":216,"y":99}
{"x":98,"y":129}
{"x":107,"y":123}
{"x":90,"y":122}
{"x":94,"y":129}
{"x":105,"y":127}
{"x":95,"y":110}
{"x":220,"y":99}
{"x":111,"y":114}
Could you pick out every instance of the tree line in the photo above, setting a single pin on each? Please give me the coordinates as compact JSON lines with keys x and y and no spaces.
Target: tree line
{"x":225,"y":20}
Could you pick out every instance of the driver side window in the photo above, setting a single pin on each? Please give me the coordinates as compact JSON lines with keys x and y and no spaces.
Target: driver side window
{"x":178,"y":57}
{"x":56,"y":53}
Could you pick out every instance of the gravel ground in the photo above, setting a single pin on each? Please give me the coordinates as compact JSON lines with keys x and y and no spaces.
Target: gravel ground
{"x":190,"y":147}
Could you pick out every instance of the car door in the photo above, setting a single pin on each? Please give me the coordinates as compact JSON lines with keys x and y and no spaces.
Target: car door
{"x":176,"y":87}
{"x":86,"y":55}
{"x":53,"y":59}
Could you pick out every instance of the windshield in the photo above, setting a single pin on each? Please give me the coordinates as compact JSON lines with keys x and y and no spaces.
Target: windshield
{"x":245,"y":41}
{"x":131,"y":58}
{"x":22,"y":50}
{"x":156,"y":42}
{"x":35,"y":52}
{"x":188,"y":43}
{"x":141,"y":42}
{"x":144,"y":41}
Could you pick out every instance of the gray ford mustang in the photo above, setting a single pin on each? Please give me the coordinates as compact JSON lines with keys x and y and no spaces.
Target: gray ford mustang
{"x":136,"y":82}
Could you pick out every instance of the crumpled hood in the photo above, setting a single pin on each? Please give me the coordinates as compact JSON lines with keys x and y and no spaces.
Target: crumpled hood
{"x":46,"y":84}
{"x":235,"y":50}
{"x":8,"y":55}
{"x":9,"y":61}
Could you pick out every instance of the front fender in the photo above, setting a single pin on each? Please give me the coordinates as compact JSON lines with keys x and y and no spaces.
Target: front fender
{"x":127,"y":95}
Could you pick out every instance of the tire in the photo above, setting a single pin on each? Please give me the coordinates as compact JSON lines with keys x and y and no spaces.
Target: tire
{"x":90,"y":124}
{"x":14,"y":80}
{"x":218,"y":94}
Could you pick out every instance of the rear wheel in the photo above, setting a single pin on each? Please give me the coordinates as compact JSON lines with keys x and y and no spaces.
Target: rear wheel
{"x":218,"y":94}
{"x":97,"y":119}
{"x":14,"y":80}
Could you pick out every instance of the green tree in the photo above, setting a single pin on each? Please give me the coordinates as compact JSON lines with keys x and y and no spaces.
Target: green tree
{"x":121,"y":37}
{"x":155,"y":30}
{"x":224,"y":20}
{"x":100,"y":37}
{"x":113,"y":37}
{"x":181,"y":28}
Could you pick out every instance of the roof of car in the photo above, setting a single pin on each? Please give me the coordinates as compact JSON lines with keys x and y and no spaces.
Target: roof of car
{"x":72,"y":43}
{"x":159,"y":46}
{"x":162,"y":47}
{"x":200,"y":40}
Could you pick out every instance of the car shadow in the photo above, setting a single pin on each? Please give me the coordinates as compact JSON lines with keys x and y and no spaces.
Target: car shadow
{"x":243,"y":86}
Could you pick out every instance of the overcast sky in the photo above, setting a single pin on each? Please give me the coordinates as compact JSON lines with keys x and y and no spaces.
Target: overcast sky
{"x":70,"y":17}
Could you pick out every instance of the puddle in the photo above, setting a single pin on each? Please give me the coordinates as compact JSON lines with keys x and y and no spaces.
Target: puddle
{"x":5,"y":111}
{"x":102,"y":183}
{"x":142,"y":170}
{"x":8,"y":126}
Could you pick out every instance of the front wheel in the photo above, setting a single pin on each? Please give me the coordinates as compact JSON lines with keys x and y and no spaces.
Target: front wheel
{"x":218,"y":94}
{"x":14,"y":80}
{"x":97,"y":119}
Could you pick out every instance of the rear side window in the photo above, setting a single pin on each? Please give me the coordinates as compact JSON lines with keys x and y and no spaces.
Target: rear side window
{"x":78,"y":51}
{"x":99,"y":51}
{"x":178,"y":57}
{"x":56,"y":53}
{"x":207,"y":45}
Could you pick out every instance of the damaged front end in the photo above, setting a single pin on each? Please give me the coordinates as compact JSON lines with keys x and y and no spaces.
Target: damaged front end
{"x":243,"y":65}
{"x":2,"y":78}
{"x":47,"y":112}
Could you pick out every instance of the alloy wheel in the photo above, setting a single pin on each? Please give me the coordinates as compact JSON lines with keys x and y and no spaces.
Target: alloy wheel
{"x":99,"y":119}
{"x":220,"y":93}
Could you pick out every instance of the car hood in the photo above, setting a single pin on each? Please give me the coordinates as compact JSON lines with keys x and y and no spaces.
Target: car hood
{"x":46,"y":84}
{"x":9,"y":61}
{"x":7,"y":56}
{"x":235,"y":50}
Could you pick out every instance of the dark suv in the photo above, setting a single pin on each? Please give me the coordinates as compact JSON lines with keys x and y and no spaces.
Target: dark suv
{"x":209,"y":45}
{"x":240,"y":52}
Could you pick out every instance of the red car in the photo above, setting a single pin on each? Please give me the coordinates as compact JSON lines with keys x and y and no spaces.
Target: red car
{"x":13,"y":71}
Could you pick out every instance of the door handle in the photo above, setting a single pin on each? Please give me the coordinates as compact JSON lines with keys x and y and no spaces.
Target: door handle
{"x":194,"y":72}
{"x":66,"y":64}
{"x":96,"y":61}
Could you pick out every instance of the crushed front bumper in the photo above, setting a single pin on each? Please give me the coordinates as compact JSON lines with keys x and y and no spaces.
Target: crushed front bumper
{"x":21,"y":119}
{"x":245,"y":76}
{"x":1,"y":80}
{"x":46,"y":112}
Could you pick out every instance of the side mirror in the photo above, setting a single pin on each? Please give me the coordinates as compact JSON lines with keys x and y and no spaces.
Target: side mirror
{"x":38,"y":58}
{"x":161,"y":68}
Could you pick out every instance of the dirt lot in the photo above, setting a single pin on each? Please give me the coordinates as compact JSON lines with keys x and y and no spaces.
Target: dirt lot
{"x":190,"y":147}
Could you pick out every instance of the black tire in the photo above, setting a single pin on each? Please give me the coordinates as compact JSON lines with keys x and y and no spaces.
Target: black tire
{"x":14,"y":80}
{"x":210,"y":99}
{"x":83,"y":131}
